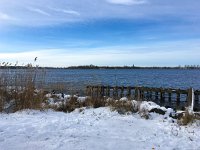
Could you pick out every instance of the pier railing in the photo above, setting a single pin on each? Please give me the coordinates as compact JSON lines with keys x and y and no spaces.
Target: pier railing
{"x":168,"y":97}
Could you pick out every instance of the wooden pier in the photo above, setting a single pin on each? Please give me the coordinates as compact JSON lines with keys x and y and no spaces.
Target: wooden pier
{"x":168,"y":97}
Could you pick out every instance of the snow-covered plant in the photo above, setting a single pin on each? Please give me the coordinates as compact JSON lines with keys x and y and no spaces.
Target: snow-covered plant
{"x":186,"y":118}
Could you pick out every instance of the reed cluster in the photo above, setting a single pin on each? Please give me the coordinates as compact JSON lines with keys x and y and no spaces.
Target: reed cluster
{"x":18,"y":88}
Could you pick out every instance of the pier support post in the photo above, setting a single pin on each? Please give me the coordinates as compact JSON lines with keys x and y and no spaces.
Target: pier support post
{"x":116,"y":92}
{"x":150,"y":95}
{"x":137,"y":94}
{"x":196,"y":97}
{"x":88,"y":90}
{"x":170,"y":97}
{"x":162,"y":96}
{"x":108,"y":91}
{"x":122,"y":92}
{"x":178,"y":95}
{"x":129,"y":92}
{"x":156,"y":95}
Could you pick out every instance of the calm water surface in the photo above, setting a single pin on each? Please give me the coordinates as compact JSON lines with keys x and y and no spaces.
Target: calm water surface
{"x":170,"y":78}
{"x":80,"y":78}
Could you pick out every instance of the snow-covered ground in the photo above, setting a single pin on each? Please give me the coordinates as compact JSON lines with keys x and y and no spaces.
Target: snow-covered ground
{"x":94,"y":129}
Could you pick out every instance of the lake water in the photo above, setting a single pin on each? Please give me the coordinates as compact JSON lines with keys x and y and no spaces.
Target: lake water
{"x":78,"y":79}
{"x":169,"y":78}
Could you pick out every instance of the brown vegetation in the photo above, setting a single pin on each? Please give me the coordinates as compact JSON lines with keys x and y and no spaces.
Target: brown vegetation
{"x":186,"y":118}
{"x":18,"y":90}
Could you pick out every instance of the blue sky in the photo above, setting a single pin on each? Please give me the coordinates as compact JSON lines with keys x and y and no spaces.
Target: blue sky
{"x":100,"y":32}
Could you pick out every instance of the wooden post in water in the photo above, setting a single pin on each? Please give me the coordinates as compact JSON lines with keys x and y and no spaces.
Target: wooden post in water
{"x":196,"y":97}
{"x":129,"y":92}
{"x":162,"y":96}
{"x":197,"y":102}
{"x":170,"y":96}
{"x":147,"y":95}
{"x":116,"y":92}
{"x":108,"y":91}
{"x":137,"y":94}
{"x":178,"y":95}
{"x":102,"y":91}
{"x":122,"y":92}
{"x":156,"y":95}
{"x":141,"y":93}
{"x":150,"y":95}
{"x":113,"y":94}
{"x":92,"y":91}
{"x":97,"y":89}
{"x":87,"y":90}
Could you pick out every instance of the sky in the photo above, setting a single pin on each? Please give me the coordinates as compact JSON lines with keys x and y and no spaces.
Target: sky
{"x":65,"y":33}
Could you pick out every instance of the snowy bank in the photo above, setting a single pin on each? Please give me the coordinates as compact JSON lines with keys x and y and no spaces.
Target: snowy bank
{"x":94,"y":129}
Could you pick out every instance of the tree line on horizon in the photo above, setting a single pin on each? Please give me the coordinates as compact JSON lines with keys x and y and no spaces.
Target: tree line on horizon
{"x":132,"y":67}
{"x":99,"y":67}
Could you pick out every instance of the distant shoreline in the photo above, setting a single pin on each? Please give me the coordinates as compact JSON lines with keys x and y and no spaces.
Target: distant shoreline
{"x":101,"y":67}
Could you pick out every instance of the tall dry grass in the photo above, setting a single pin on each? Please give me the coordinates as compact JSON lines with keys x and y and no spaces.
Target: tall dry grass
{"x":18,"y":88}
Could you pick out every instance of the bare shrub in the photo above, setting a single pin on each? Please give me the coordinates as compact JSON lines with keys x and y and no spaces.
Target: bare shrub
{"x":73,"y":102}
{"x":69,"y":106}
{"x":122,"y":107}
{"x":186,"y":118}
{"x":28,"y":99}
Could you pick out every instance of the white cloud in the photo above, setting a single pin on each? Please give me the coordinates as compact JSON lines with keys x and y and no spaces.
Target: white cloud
{"x":72,"y":12}
{"x":64,"y":11}
{"x":127,"y":2}
{"x":37,"y":10}
{"x":4,"y":16}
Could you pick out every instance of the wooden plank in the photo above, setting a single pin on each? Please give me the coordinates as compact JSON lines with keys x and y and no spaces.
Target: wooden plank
{"x":116,"y":91}
{"x":137,"y":94}
{"x":170,"y":96}
{"x":128,"y":92}
{"x":197,"y":92}
{"x":140,"y":92}
{"x":122,"y":91}
{"x":108,"y":91}
{"x":196,"y":97}
{"x":156,"y":95}
{"x":162,"y":97}
{"x":150,"y":95}
{"x":178,"y":98}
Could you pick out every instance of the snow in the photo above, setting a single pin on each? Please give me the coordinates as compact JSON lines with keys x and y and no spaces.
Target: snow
{"x":94,"y":129}
{"x":81,"y":99}
{"x":59,"y":99}
{"x":148,"y":106}
{"x":123,"y":99}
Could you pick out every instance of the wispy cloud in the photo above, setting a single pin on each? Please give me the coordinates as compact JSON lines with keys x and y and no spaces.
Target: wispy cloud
{"x":4,"y":16}
{"x":66,"y":11}
{"x":37,"y":10}
{"x":127,"y":2}
{"x":96,"y":9}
